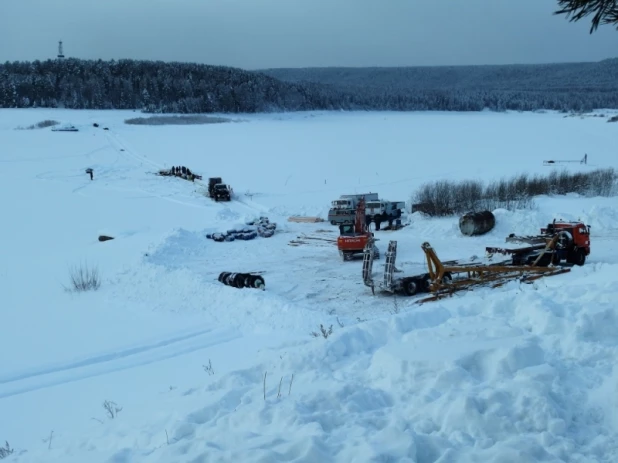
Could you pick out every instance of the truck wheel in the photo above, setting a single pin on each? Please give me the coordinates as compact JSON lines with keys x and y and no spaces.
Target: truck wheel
{"x":579,"y":257}
{"x":410,"y":286}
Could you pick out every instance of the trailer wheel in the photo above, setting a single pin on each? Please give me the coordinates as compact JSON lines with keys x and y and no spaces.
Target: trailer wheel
{"x":411,"y":286}
{"x":426,"y":283}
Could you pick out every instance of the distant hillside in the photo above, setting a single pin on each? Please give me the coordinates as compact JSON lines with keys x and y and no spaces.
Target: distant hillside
{"x":599,"y":76}
{"x":562,"y":86}
{"x":160,"y":87}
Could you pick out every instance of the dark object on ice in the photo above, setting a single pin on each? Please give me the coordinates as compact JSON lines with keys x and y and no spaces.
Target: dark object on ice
{"x":105,"y":128}
{"x":65,"y":128}
{"x":95,"y":125}
{"x":242,"y":280}
{"x":105,"y":238}
{"x":477,"y":223}
{"x":260,"y":227}
{"x":180,"y":171}
{"x":91,"y":172}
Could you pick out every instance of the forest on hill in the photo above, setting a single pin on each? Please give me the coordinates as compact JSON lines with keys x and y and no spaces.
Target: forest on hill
{"x":173,"y":87}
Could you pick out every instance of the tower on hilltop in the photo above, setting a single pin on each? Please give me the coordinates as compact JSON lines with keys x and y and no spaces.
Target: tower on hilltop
{"x":60,"y":53}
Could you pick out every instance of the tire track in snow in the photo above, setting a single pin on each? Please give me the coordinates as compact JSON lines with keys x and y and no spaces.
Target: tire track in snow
{"x":122,"y":148}
{"x":129,"y":154}
{"x":111,"y":362}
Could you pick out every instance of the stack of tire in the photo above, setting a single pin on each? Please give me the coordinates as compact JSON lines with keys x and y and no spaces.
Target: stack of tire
{"x":265,"y":228}
{"x":242,"y":280}
{"x":244,"y":234}
{"x":262,"y":227}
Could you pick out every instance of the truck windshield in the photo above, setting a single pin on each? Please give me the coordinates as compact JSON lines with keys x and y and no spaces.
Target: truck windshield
{"x":341,"y":203}
{"x":374,"y":205}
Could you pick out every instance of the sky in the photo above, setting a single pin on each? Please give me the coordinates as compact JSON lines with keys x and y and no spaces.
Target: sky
{"x":258,"y":34}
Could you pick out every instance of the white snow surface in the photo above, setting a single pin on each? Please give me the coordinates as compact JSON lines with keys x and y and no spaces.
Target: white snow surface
{"x":521,"y":373}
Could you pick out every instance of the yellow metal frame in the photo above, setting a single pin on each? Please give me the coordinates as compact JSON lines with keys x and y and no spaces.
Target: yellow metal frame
{"x":481,"y":274}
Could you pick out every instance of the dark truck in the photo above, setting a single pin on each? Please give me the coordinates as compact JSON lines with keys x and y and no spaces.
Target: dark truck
{"x":218,"y":190}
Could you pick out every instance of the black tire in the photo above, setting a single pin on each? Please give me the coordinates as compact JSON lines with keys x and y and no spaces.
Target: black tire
{"x":425,"y":283}
{"x":223,"y":276}
{"x":543,"y":261}
{"x":579,"y":258}
{"x":239,"y":280}
{"x":257,"y":281}
{"x":411,"y":286}
{"x":229,"y":279}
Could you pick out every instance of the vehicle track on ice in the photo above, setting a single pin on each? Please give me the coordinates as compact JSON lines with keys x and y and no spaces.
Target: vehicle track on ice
{"x":36,"y":378}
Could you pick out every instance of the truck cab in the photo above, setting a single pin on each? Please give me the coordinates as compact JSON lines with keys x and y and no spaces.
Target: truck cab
{"x":578,"y":234}
{"x":222,"y":192}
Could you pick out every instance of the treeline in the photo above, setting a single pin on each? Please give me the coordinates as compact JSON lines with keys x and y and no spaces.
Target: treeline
{"x":161,"y":87}
{"x":155,"y":87}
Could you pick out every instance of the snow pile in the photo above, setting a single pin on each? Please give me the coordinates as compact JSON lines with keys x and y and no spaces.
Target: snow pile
{"x":489,"y":377}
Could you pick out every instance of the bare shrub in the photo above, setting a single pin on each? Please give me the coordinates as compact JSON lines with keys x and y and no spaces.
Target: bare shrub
{"x":5,"y":451}
{"x":176,"y":120}
{"x":443,"y":197}
{"x":208,"y":368}
{"x":84,"y":278}
{"x":323,"y":331}
{"x":111,"y":408}
{"x":40,"y":125}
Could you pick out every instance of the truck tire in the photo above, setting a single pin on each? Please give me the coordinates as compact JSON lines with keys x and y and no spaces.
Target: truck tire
{"x":579,"y":258}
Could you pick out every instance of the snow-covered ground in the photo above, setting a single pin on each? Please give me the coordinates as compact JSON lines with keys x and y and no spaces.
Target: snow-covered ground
{"x":205,"y":372}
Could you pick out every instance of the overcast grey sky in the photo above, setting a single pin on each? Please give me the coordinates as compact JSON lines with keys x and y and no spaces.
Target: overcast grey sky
{"x":257,"y":34}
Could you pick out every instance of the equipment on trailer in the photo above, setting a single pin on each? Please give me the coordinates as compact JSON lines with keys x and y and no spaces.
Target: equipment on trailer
{"x":218,"y":190}
{"x":343,"y":210}
{"x":572,"y":245}
{"x":353,"y":238}
{"x":445,"y":278}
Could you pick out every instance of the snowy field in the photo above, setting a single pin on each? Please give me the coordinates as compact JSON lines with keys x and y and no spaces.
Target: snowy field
{"x":204,"y":372}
